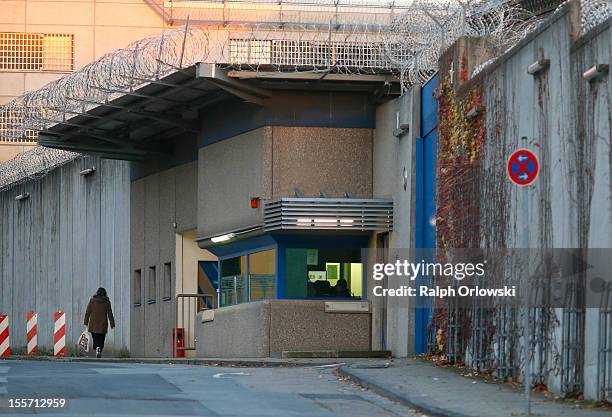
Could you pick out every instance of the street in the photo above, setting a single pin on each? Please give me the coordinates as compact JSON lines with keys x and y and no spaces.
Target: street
{"x":106,"y":389}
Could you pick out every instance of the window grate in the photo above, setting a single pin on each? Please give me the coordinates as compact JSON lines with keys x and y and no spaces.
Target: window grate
{"x":299,"y":53}
{"x":36,"y":52}
{"x":11,"y":127}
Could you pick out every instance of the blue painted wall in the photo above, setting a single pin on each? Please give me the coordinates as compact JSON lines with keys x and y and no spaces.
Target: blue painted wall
{"x":425,"y":210}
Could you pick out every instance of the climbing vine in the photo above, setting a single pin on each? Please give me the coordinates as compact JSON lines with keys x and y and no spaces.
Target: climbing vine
{"x":460,"y":147}
{"x":460,"y":150}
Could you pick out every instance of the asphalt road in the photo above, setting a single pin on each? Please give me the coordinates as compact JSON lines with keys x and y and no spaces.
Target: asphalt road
{"x":110,"y":389}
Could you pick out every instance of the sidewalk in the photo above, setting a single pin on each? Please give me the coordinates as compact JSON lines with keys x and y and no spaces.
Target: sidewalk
{"x":220,"y":362}
{"x":444,"y":393}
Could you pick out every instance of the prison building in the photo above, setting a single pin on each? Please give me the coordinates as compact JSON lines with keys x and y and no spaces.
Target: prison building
{"x":231,"y":186}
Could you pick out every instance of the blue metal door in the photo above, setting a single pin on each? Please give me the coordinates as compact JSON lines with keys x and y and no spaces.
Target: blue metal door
{"x":425,"y":210}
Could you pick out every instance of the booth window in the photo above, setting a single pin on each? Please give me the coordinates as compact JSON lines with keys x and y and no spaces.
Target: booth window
{"x":152,"y":286}
{"x":233,"y":273}
{"x":323,"y":273}
{"x":137,"y":288}
{"x":262,"y":275}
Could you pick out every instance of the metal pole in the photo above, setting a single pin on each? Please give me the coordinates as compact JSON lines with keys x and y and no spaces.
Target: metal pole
{"x":184,"y":42}
{"x":235,"y":300}
{"x":527,"y":367}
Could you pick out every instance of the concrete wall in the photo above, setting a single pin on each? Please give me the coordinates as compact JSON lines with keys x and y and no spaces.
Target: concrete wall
{"x":237,"y":331}
{"x":273,"y":162}
{"x":565,"y":120}
{"x":394,"y":177}
{"x":58,"y":246}
{"x":333,"y":161}
{"x":264,"y":328}
{"x":230,"y":172}
{"x":594,"y":123}
{"x":98,"y":28}
{"x":162,"y":205}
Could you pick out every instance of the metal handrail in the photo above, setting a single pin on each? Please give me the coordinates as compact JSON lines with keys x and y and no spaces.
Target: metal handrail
{"x":190,"y":318}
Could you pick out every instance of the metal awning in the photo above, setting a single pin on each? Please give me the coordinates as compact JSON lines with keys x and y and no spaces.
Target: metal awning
{"x":128,"y":126}
{"x":343,"y":214}
{"x":133,"y":124}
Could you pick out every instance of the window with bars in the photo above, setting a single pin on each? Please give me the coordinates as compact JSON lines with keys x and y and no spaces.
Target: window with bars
{"x":251,"y":51}
{"x":11,"y":127}
{"x":307,"y":53}
{"x":36,"y":52}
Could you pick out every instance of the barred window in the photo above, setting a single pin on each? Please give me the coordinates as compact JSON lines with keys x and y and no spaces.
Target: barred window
{"x":250,"y":51}
{"x":36,"y":52}
{"x":11,"y":127}
{"x":308,"y":53}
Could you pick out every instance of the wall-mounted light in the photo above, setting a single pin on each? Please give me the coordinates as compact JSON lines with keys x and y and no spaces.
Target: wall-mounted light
{"x":401,"y":130}
{"x":88,"y":171}
{"x":322,"y":222}
{"x":223,"y":238}
{"x":473,"y":112}
{"x":23,"y":196}
{"x":538,"y":66}
{"x":595,"y":72}
{"x":255,"y":202}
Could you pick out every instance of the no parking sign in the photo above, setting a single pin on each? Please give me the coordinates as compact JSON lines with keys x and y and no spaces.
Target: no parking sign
{"x":523,"y":167}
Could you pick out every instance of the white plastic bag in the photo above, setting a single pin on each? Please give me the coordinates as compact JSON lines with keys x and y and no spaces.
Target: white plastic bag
{"x":85,"y":341}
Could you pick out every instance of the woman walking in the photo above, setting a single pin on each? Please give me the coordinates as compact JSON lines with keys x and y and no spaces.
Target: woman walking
{"x":97,"y":316}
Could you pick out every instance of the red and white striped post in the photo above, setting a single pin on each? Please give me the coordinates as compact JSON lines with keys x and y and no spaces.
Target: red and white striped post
{"x":32,"y":332}
{"x":59,"y":334}
{"x":5,"y":345}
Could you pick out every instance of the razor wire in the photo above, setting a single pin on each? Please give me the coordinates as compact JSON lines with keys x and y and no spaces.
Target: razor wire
{"x":406,"y":41}
{"x":409,"y":43}
{"x":111,"y":76}
{"x":428,"y":27}
{"x":32,"y":164}
{"x":594,"y":12}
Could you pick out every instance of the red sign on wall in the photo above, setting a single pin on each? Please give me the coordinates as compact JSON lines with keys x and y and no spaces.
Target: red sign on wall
{"x":523,"y":167}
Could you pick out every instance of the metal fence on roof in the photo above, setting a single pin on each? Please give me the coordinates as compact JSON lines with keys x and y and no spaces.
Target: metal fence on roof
{"x":408,"y":44}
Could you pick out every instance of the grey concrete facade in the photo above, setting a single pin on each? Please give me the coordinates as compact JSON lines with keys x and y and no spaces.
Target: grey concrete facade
{"x":162,"y":205}
{"x":266,"y":328}
{"x":565,"y":120}
{"x":273,"y":162}
{"x":58,"y":246}
{"x":394,"y":177}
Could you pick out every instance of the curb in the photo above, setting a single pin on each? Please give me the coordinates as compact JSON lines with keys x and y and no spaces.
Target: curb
{"x":401,"y":398}
{"x":229,"y":363}
{"x":335,"y":354}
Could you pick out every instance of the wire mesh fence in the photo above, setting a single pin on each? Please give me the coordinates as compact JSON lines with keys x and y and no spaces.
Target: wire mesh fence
{"x":403,"y":37}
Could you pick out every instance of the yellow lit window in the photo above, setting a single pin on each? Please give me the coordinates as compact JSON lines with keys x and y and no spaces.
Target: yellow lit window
{"x":36,"y":52}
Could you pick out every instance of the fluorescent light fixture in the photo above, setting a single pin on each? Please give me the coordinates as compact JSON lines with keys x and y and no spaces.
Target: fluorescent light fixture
{"x":346,"y":222}
{"x":596,"y":71}
{"x":324,"y":222}
{"x":88,"y":171}
{"x":538,"y":66}
{"x":223,"y":238}
{"x":22,"y":196}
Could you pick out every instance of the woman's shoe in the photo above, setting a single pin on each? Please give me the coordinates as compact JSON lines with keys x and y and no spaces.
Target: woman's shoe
{"x":98,"y":352}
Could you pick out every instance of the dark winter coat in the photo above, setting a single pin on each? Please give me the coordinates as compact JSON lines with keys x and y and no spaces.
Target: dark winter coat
{"x":98,"y":314}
